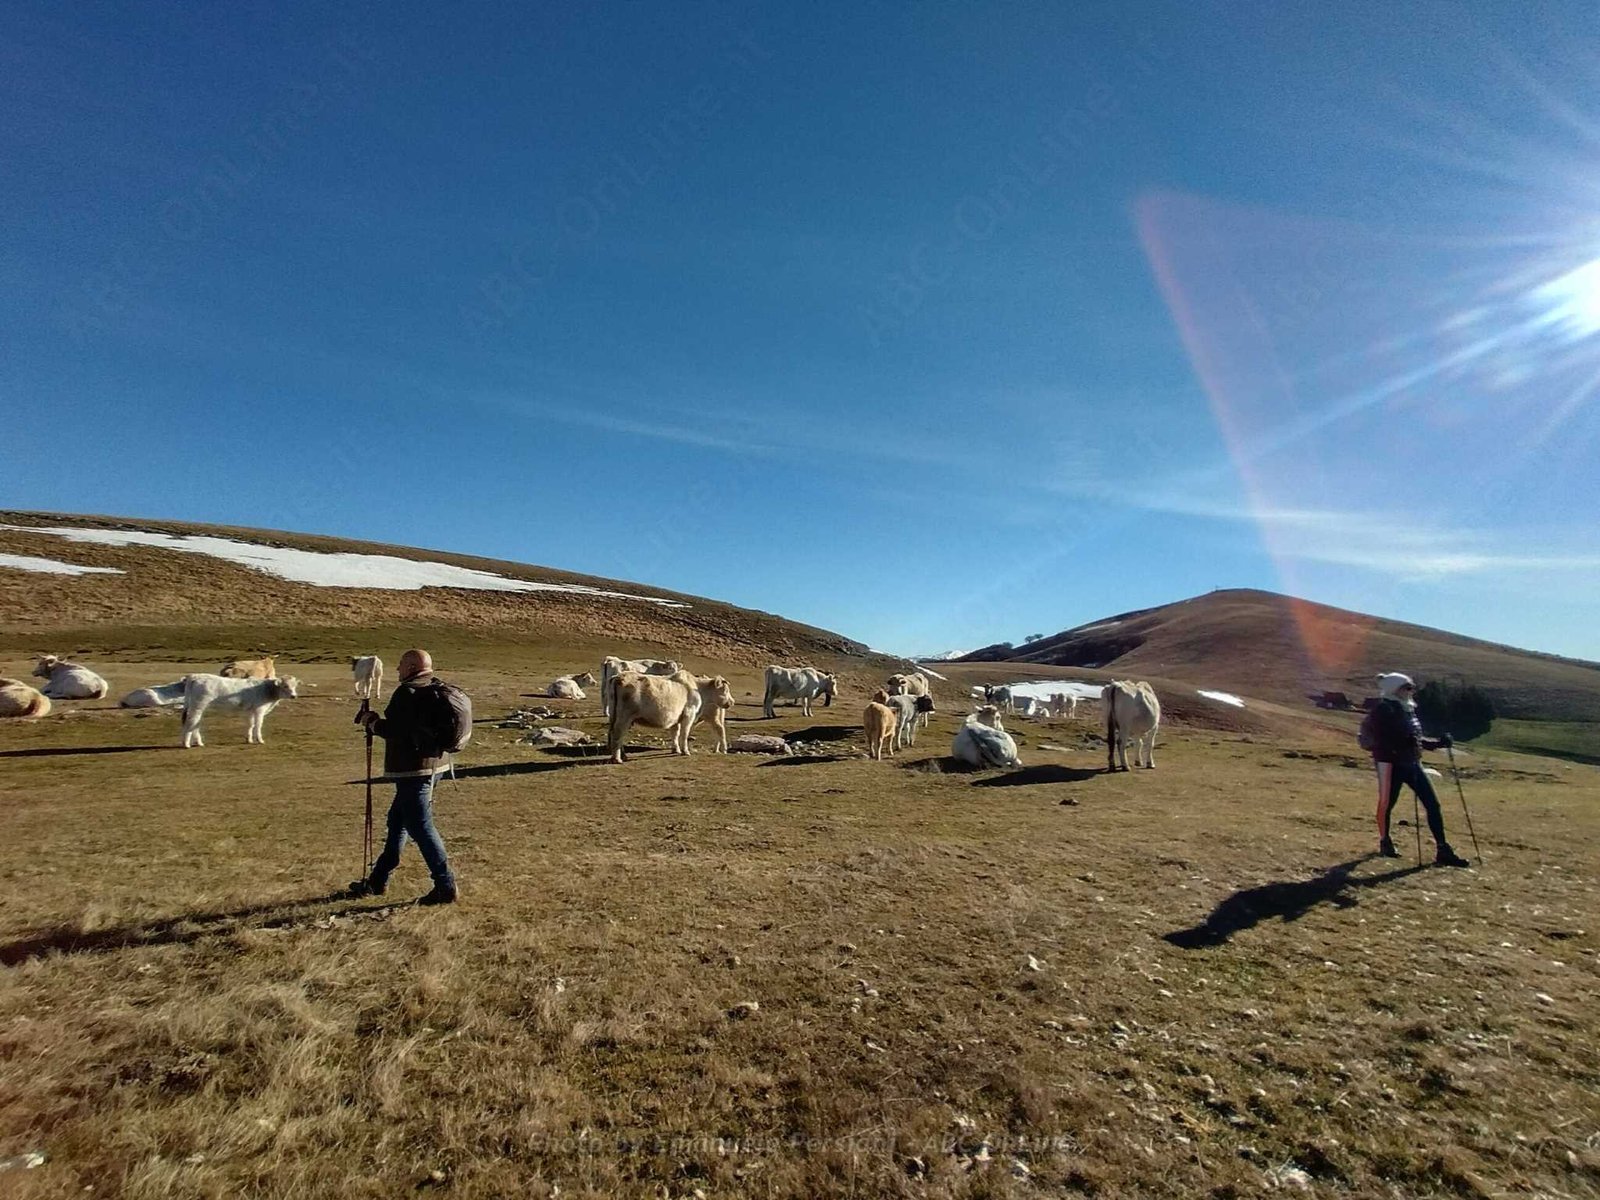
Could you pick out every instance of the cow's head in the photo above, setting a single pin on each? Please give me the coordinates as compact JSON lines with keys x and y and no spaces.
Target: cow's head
{"x":286,"y":688}
{"x":924,"y":704}
{"x":46,"y":664}
{"x":989,"y":715}
{"x":881,"y":696}
{"x":721,"y":692}
{"x":830,"y":685}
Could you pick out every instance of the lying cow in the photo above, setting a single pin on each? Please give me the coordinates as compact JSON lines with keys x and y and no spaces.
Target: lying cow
{"x":257,"y":697}
{"x":18,"y":699}
{"x":565,"y":688}
{"x":980,"y":743}
{"x":612,"y":666}
{"x":250,"y":668}
{"x":881,"y":725}
{"x":68,"y":681}
{"x":804,"y":684}
{"x":161,"y":695}
{"x":368,"y":674}
{"x":1132,"y":713}
{"x":659,"y":701}
{"x":716,"y":698}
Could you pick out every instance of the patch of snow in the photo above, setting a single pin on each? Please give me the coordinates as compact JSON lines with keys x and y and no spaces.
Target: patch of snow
{"x":1223,"y":697}
{"x":1096,"y":625}
{"x":933,"y":674}
{"x":946,"y":656}
{"x":1043,"y":689}
{"x":329,"y":569}
{"x":50,"y":566}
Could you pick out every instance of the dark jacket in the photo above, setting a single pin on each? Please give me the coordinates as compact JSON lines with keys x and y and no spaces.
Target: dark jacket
{"x":407,"y":736}
{"x":1397,"y":734}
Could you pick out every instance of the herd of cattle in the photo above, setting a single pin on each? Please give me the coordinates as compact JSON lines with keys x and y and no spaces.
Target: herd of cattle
{"x":656,"y":693}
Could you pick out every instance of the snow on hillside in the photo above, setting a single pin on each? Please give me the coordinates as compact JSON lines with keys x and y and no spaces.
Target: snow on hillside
{"x":1223,"y":697}
{"x":51,"y":566}
{"x":1043,"y":689}
{"x":325,"y":569}
{"x":946,"y":656}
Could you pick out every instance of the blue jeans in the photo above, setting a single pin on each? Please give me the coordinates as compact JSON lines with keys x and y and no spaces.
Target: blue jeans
{"x":411,"y":815}
{"x":1390,"y":777}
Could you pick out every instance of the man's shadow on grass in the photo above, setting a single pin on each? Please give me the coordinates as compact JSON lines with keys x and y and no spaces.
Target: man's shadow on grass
{"x":177,"y":931}
{"x":1288,"y":900}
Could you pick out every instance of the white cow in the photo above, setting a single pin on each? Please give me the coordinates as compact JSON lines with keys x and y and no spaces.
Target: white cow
{"x":981,"y":744}
{"x":161,"y":695}
{"x":1132,"y":713}
{"x":1028,"y":706}
{"x":660,"y":701}
{"x":368,"y":673}
{"x":907,"y":708}
{"x":716,"y":698}
{"x":257,"y":697}
{"x":1063,"y":705}
{"x":804,"y":684}
{"x":69,"y":681}
{"x":911,"y":683}
{"x":565,"y":688}
{"x":612,"y":666}
{"x":999,"y":696}
{"x":18,"y":699}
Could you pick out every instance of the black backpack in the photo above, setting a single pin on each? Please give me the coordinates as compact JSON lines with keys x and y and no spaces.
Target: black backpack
{"x":447,"y":720}
{"x":1367,"y":735}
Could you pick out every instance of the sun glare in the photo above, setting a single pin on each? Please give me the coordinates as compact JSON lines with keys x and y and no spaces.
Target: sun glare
{"x":1572,"y":301}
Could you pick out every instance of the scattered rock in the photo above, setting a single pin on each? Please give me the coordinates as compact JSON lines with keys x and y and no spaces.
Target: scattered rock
{"x":759,"y":743}
{"x":24,"y":1162}
{"x":745,"y":1008}
{"x":1034,"y":964}
{"x":555,"y":735}
{"x":1544,"y":997}
{"x":1288,"y":1176}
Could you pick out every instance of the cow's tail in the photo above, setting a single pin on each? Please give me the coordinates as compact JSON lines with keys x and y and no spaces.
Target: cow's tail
{"x":1111,"y":729}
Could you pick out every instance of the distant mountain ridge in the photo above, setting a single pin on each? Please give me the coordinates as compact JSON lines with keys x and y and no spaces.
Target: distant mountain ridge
{"x":1284,"y":649}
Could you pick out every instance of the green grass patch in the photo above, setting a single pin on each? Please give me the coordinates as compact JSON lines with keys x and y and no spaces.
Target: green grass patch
{"x":1577,"y":741}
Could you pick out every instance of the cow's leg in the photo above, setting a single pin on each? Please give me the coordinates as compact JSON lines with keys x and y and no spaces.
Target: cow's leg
{"x":619,"y":736}
{"x":721,"y":723}
{"x":191,"y":726}
{"x":1150,"y":749}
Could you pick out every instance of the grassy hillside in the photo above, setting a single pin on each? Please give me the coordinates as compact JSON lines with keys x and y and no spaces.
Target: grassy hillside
{"x":1284,"y":649}
{"x":183,"y":598}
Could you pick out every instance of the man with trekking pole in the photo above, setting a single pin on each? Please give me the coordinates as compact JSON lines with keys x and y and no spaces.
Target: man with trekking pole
{"x":1392,"y":732}
{"x":425,"y":722}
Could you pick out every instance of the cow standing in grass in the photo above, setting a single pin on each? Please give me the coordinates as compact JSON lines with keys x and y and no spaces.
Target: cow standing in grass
{"x":1132,"y":713}
{"x":659,"y":701}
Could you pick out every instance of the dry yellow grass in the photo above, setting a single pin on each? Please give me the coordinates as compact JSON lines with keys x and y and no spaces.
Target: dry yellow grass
{"x":1227,"y":992}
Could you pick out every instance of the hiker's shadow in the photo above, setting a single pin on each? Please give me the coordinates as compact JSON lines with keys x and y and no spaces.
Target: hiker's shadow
{"x":174,"y":931}
{"x":1288,"y":901}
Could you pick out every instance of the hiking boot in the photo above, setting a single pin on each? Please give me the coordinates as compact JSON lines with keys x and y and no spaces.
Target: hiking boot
{"x":1386,"y":849}
{"x":362,"y":888}
{"x":1449,"y":858}
{"x":441,"y":894}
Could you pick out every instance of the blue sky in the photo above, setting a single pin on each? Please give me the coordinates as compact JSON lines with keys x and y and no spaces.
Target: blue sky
{"x":934,"y":324}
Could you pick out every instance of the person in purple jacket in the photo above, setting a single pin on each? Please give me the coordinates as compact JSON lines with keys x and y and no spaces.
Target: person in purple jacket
{"x":1397,"y":746}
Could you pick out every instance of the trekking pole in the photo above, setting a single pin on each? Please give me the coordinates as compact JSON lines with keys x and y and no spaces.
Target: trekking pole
{"x":1456,"y":775}
{"x":366,"y":830}
{"x":1416,"y":823}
